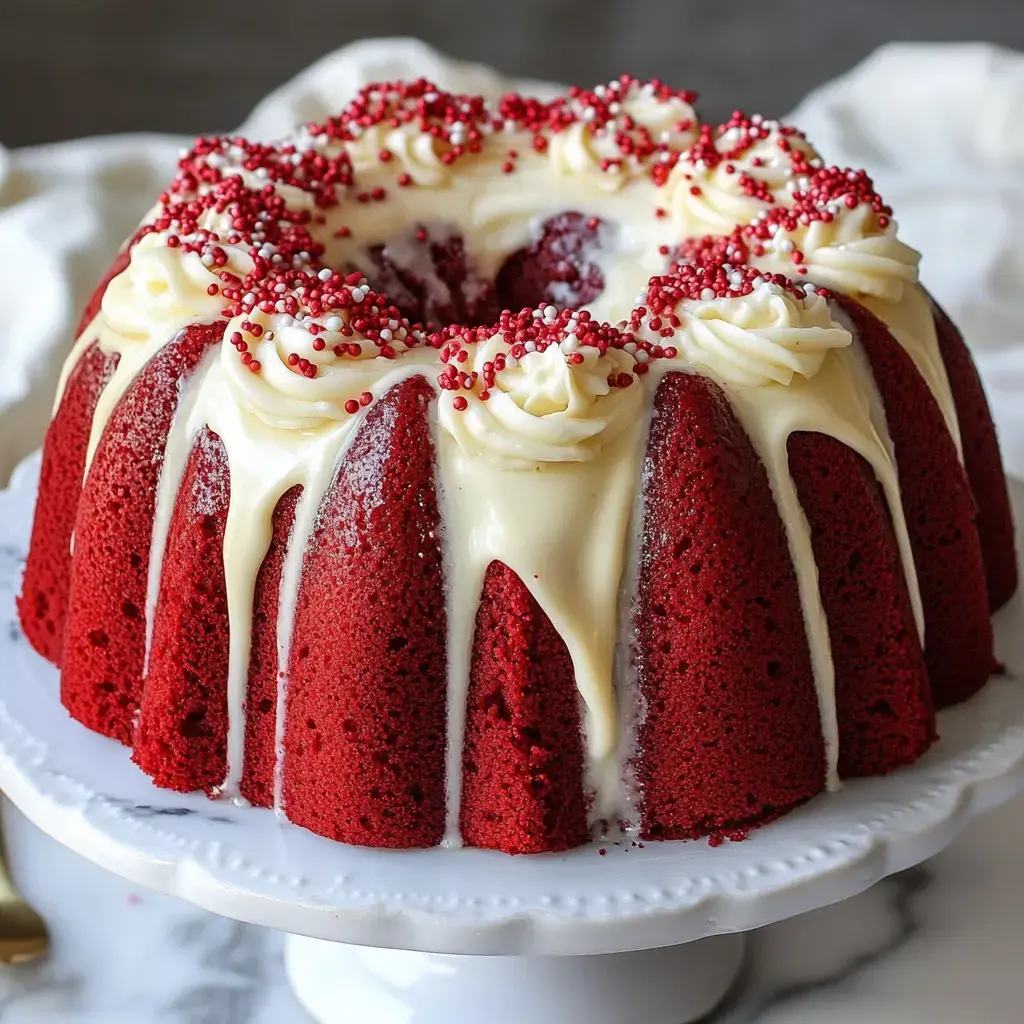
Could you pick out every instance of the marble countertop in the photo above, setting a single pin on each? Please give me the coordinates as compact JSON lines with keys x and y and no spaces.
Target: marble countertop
{"x":942,"y":943}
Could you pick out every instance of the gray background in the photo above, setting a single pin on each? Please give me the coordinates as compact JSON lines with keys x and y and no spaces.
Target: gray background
{"x":78,"y":67}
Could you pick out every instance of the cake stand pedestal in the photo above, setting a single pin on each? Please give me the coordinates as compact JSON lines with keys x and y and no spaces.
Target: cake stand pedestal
{"x":650,"y":933}
{"x":345,"y":984}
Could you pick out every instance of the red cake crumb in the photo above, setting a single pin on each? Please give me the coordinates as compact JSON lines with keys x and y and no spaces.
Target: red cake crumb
{"x":181,"y":738}
{"x":984,"y":467}
{"x":101,"y":680}
{"x":522,"y":788}
{"x":883,"y":697}
{"x":43,"y":602}
{"x":365,"y":724}
{"x":939,"y":510}
{"x":731,"y":734}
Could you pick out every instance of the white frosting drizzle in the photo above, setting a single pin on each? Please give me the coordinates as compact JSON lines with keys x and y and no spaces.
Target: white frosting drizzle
{"x":180,"y":439}
{"x":912,"y":322}
{"x":837,"y":403}
{"x":291,"y":575}
{"x":542,"y":473}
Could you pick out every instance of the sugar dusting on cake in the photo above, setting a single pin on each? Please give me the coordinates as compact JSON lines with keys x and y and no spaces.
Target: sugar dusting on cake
{"x":330,"y":257}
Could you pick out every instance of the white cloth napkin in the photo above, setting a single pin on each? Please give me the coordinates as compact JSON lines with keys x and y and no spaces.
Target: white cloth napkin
{"x":940,"y":127}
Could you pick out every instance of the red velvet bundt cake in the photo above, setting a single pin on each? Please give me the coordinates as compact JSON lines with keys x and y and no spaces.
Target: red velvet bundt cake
{"x":514,"y":475}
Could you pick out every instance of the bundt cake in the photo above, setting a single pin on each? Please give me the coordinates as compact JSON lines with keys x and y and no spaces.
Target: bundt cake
{"x":516,"y":475}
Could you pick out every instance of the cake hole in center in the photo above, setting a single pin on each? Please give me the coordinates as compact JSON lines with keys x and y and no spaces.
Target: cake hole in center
{"x":430,"y":276}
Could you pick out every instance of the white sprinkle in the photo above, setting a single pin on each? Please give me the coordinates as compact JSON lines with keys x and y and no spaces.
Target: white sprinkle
{"x":642,"y":356}
{"x":207,"y":259}
{"x":511,"y":362}
{"x":249,"y":299}
{"x":708,"y":295}
{"x":325,"y":274}
{"x":530,"y":346}
{"x":550,"y":312}
{"x":386,"y":335}
{"x":334,"y":323}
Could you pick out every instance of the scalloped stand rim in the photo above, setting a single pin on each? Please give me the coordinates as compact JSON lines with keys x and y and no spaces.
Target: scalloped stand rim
{"x":621,"y":923}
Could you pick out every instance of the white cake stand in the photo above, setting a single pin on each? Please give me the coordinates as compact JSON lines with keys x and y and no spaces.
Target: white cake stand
{"x":388,"y":937}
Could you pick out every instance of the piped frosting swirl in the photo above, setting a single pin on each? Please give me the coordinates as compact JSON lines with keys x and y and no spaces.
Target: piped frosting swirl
{"x":549,"y":387}
{"x":744,"y":327}
{"x":839,"y":233}
{"x":737,"y":171}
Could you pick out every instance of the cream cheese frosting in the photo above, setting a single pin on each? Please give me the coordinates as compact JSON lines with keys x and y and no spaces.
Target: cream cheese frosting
{"x":769,"y":335}
{"x":851,"y":252}
{"x":738,"y":169}
{"x":545,"y":408}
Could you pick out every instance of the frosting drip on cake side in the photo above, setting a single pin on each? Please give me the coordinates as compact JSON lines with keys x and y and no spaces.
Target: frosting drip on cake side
{"x":540,"y":417}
